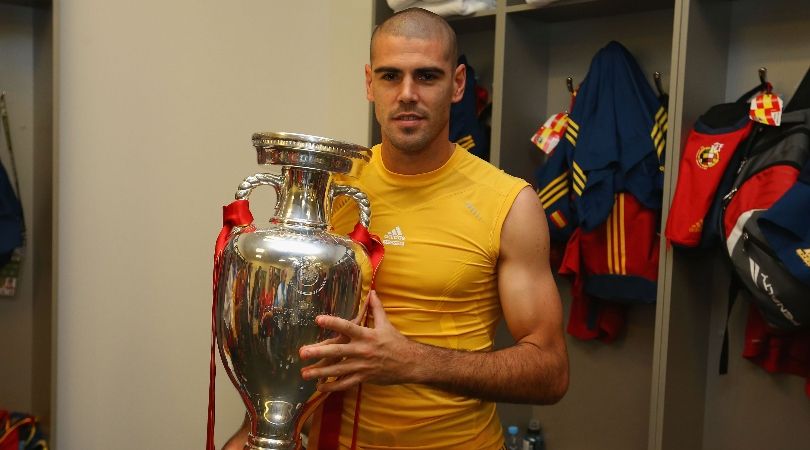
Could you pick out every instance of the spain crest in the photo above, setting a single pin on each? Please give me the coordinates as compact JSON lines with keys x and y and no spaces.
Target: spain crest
{"x":708,"y":156}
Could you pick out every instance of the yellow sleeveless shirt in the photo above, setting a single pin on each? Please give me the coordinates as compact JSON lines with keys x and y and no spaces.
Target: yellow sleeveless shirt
{"x":438,"y":285}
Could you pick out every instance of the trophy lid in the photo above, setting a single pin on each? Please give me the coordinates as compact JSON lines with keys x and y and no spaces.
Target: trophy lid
{"x":310,"y":152}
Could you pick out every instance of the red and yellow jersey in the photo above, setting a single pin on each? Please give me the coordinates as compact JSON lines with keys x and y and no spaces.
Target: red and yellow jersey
{"x":438,"y":284}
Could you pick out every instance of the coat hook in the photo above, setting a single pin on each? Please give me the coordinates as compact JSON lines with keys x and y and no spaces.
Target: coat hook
{"x":569,"y":83}
{"x":763,"y":75}
{"x":657,"y":79}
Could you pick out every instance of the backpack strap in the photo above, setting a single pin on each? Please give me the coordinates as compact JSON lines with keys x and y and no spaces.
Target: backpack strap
{"x":733,"y":291}
{"x":756,"y":89}
{"x":801,"y":98}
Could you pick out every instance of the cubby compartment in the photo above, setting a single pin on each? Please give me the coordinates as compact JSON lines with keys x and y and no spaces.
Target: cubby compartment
{"x":722,"y":46}
{"x":610,"y":383}
{"x":540,"y":52}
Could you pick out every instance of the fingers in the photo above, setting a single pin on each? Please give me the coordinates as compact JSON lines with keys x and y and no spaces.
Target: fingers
{"x":321,"y":363}
{"x":361,"y":313}
{"x":346,"y":329}
{"x":343,"y":361}
{"x":377,"y":310}
{"x":340,"y":339}
{"x":342,"y":326}
{"x":340,"y":384}
{"x":326,"y":351}
{"x":347,"y":368}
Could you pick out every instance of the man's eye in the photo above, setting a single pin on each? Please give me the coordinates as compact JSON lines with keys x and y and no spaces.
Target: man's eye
{"x":426,"y":77}
{"x":389,"y":76}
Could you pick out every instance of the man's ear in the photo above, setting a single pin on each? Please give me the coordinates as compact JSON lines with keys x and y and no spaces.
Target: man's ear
{"x":369,"y":93}
{"x":459,"y":81}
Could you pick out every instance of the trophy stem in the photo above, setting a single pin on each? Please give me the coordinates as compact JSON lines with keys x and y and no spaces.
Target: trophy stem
{"x":259,"y":443}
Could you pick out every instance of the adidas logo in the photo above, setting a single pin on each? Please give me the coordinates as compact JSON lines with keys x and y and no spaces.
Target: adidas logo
{"x":471,"y":208}
{"x":394,"y":237}
{"x":804,"y":254}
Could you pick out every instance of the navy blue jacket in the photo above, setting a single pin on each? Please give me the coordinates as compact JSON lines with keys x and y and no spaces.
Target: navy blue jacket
{"x":614,"y":143}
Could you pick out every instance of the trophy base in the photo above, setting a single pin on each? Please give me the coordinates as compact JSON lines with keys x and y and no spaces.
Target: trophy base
{"x":259,"y":443}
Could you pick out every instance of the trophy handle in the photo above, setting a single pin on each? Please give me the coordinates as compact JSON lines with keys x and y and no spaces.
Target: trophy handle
{"x":358,"y":196}
{"x":253,"y":181}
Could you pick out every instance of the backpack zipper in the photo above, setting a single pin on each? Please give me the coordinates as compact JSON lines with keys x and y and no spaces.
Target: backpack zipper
{"x":746,"y":236}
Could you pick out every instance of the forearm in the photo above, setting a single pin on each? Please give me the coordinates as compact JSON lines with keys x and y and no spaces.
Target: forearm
{"x":523,"y":373}
{"x":239,"y":439}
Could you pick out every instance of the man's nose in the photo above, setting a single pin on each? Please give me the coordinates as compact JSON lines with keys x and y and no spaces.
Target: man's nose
{"x":408,"y":91}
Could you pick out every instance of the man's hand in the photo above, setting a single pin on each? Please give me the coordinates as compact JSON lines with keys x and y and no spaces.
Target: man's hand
{"x":379,"y":355}
{"x":239,"y":439}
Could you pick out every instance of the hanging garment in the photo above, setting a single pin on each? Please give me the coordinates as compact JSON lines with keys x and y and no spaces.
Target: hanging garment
{"x":614,"y":142}
{"x":20,"y":431}
{"x":612,"y":266}
{"x":444,"y":8}
{"x":615,"y":137}
{"x":775,"y":351}
{"x":602,"y":185}
{"x":465,"y":129}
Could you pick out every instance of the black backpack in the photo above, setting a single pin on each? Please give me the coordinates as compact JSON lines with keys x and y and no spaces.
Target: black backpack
{"x":770,"y":166}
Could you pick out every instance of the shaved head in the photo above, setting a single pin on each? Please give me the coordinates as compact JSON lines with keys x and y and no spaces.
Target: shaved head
{"x":418,"y":23}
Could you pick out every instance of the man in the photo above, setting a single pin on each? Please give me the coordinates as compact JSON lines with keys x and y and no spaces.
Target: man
{"x":465,"y":244}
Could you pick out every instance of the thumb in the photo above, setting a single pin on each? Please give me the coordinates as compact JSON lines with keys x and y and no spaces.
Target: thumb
{"x":377,"y":310}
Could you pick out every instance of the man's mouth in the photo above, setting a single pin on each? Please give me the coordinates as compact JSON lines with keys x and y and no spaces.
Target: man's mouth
{"x":408,"y":119}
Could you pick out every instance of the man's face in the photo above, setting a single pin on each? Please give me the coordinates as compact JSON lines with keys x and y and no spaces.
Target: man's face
{"x":412,"y":85}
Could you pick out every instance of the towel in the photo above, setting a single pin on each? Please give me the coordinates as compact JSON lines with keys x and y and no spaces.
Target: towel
{"x":444,"y":8}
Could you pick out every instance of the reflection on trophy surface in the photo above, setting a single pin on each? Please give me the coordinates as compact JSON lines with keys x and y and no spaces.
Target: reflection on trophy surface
{"x":275,"y":280}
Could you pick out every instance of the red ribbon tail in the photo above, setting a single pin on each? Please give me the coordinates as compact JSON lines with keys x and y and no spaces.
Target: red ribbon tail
{"x":237,"y":213}
{"x":373,"y":245}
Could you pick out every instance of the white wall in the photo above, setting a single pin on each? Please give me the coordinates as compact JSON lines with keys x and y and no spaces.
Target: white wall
{"x":157,"y":102}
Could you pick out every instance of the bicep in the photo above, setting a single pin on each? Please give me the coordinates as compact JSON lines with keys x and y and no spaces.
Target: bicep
{"x":529,"y":297}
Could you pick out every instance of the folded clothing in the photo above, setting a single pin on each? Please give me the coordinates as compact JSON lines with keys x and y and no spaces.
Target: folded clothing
{"x":444,"y":7}
{"x":539,"y":2}
{"x":399,"y":5}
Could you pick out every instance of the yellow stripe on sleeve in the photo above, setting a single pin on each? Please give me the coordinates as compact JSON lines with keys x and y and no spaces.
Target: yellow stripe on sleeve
{"x":552,"y":184}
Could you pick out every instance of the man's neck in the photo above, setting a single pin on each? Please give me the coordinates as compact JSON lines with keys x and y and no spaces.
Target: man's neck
{"x":426,"y":160}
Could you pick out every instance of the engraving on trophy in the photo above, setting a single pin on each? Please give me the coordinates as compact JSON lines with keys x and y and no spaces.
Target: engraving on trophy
{"x":310,"y":277}
{"x":277,"y":412}
{"x":285,"y":317}
{"x":309,"y":274}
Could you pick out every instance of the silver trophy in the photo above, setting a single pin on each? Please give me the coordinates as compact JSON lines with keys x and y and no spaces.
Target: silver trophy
{"x":275,"y":280}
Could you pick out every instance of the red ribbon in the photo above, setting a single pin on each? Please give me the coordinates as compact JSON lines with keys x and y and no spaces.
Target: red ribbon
{"x":373,"y":246}
{"x":238,"y":214}
{"x":234,"y":215}
{"x":328,"y":439}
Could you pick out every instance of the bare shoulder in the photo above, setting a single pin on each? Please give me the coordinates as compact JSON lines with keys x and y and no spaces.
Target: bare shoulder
{"x":525,"y":230}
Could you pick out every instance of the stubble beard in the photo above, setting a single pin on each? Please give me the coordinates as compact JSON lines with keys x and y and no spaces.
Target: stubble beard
{"x":412,"y":141}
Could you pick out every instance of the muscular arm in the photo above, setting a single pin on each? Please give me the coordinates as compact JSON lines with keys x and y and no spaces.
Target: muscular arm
{"x":534,"y":370}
